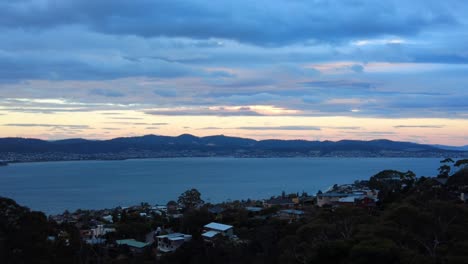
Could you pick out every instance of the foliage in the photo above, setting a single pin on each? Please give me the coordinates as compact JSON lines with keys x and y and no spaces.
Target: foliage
{"x":461,"y":163}
{"x":190,"y":199}
{"x":420,"y":221}
{"x":444,"y":169}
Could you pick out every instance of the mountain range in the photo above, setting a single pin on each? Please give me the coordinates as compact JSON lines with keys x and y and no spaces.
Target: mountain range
{"x":220,"y":144}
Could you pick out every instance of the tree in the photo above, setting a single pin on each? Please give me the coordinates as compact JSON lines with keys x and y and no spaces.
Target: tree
{"x":447,"y":160}
{"x":391,"y":182}
{"x":444,"y":169}
{"x":462,"y":163}
{"x":190,"y":199}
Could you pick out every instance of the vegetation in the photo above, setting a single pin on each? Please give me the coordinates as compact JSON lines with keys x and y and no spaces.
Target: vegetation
{"x":190,"y":199}
{"x":418,"y":220}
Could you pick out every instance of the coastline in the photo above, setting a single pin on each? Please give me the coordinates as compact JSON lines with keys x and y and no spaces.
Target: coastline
{"x":245,"y":156}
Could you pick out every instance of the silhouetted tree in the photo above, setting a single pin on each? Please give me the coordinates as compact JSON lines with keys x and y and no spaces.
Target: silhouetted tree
{"x":190,"y":199}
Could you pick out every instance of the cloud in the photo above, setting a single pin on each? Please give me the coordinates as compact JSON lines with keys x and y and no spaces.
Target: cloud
{"x":279,"y":128}
{"x":337,"y":84}
{"x":126,"y":118}
{"x":227,"y":110}
{"x":419,"y":126}
{"x":250,"y":22}
{"x":165,"y":93}
{"x":202,"y":112}
{"x":48,"y":125}
{"x":111,"y":113}
{"x":344,"y":127}
{"x":211,"y":128}
{"x":357,"y":68}
{"x":106,"y":93}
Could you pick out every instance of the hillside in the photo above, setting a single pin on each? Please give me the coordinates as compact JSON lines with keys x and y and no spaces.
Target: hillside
{"x":25,"y":149}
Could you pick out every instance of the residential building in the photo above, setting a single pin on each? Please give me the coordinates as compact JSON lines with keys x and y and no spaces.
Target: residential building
{"x":213,"y":229}
{"x":133,"y":245}
{"x":280,"y":201}
{"x":290,"y":214}
{"x":171,"y":242}
{"x":329,"y":198}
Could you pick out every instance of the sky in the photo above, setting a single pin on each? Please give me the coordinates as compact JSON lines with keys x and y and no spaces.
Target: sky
{"x":293,"y":69}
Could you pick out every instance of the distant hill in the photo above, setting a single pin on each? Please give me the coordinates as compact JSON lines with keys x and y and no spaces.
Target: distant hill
{"x":153,"y":146}
{"x":460,"y":148}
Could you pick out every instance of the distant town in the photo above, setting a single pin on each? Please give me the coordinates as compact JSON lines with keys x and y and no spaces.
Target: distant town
{"x":152,"y":146}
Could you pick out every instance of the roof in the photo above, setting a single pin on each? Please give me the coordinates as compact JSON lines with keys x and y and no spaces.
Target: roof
{"x":333,"y":194}
{"x":253,"y":209}
{"x":210,"y":234}
{"x":175,"y":236}
{"x":291,"y":211}
{"x":218,"y":226}
{"x":132,"y":243}
{"x":351,"y":198}
{"x":216,"y":210}
{"x":280,"y":201}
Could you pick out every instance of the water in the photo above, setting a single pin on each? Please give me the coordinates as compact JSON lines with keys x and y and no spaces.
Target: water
{"x":53,"y":187}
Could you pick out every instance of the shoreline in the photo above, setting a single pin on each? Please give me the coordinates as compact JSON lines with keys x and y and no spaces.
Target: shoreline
{"x":238,"y":157}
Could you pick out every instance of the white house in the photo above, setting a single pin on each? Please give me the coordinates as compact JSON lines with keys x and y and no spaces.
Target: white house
{"x":329,"y":198}
{"x":100,"y":230}
{"x":108,"y":218}
{"x":171,"y":242}
{"x":213,"y":229}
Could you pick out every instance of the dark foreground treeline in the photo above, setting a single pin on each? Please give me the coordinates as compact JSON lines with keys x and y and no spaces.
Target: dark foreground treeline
{"x":417,"y":221}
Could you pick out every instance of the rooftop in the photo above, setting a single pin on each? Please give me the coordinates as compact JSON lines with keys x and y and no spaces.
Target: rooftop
{"x":175,"y":236}
{"x":132,"y":243}
{"x":218,"y":226}
{"x":210,"y":234}
{"x":333,"y":194}
{"x":253,"y":209}
{"x":291,"y":211}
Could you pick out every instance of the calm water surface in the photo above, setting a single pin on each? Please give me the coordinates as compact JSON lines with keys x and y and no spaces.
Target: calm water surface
{"x":53,"y":187}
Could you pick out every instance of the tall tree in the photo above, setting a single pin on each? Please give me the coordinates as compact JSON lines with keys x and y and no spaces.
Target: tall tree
{"x":444,"y":169}
{"x":190,"y":199}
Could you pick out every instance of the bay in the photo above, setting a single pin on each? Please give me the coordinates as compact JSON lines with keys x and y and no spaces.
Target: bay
{"x":53,"y":187}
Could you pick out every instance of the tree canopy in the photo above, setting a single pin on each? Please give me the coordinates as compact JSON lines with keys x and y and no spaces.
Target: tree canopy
{"x":190,"y":199}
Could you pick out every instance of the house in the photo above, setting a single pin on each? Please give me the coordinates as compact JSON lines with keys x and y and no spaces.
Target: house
{"x":172,"y":207}
{"x":464,"y":197}
{"x":210,"y":235}
{"x":108,"y":218}
{"x":213,"y":229}
{"x":95,"y":241}
{"x":290,"y":214}
{"x":100,"y":230}
{"x":133,"y":245}
{"x":171,"y":242}
{"x":359,"y":199}
{"x":307,"y":200}
{"x":366,"y":202}
{"x":329,"y":198}
{"x":253,"y":209}
{"x":280,"y":201}
{"x":216,"y":210}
